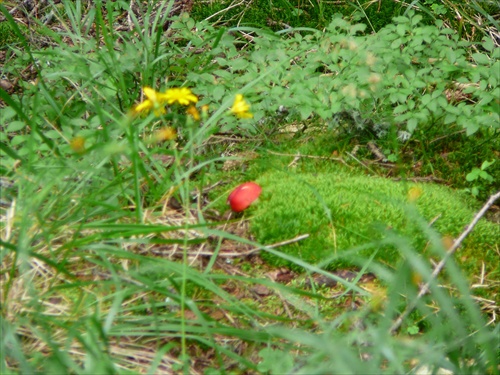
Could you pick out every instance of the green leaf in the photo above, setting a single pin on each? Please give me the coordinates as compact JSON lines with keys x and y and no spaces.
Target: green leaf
{"x":52,"y":134}
{"x":7,"y":113}
{"x":471,"y":129}
{"x":275,"y":361}
{"x":411,"y":125}
{"x":359,"y":27}
{"x":400,"y":108}
{"x":412,"y":330}
{"x":401,"y":29}
{"x":485,"y":176}
{"x":473,"y":175}
{"x":305,"y":111}
{"x":239,"y":64}
{"x":432,"y":105}
{"x":397,"y":43}
{"x":401,"y":19}
{"x":416,"y":19}
{"x":218,"y":92}
{"x":392,"y":158}
{"x":481,"y":58}
{"x":426,"y":99}
{"x":19,"y":139}
{"x":78,"y":122}
{"x":15,"y":126}
{"x":449,"y":118}
{"x":451,"y":56}
{"x":488,"y":44}
{"x":486,"y":164}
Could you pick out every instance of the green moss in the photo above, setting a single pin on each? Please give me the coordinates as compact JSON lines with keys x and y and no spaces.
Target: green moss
{"x":7,"y":35}
{"x":340,"y":211}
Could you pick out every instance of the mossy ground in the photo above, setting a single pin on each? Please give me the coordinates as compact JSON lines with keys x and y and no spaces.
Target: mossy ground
{"x":343,"y":206}
{"x":7,"y":35}
{"x":341,"y":211}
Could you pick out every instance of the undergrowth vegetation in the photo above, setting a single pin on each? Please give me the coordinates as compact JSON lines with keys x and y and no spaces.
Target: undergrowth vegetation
{"x":122,"y":135}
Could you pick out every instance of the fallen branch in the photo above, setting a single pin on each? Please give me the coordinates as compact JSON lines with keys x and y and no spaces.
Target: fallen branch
{"x":425,"y":288}
{"x":236,"y":254}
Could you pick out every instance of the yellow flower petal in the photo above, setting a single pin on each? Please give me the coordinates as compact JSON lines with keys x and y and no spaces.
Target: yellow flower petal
{"x":240,"y":107}
{"x":155,"y":101}
{"x":149,"y":93}
{"x":77,"y":144}
{"x":414,"y":193}
{"x":145,"y":106}
{"x":181,"y":95}
{"x":165,"y":134}
{"x":193,"y":112}
{"x":244,"y":115}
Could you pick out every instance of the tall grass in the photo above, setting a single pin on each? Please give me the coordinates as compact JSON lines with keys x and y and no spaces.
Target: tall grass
{"x":102,"y":275}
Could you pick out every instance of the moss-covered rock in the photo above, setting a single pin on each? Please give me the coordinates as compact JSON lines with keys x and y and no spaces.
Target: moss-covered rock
{"x":340,"y":211}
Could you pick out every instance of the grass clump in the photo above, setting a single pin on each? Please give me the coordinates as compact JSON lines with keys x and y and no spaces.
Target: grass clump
{"x":340,"y":212}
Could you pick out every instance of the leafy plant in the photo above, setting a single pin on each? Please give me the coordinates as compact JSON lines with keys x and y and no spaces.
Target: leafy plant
{"x":478,"y":176}
{"x":413,"y":75}
{"x":275,"y":362}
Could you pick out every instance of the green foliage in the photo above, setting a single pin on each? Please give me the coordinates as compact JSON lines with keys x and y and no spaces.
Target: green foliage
{"x":471,"y":20}
{"x":275,"y":362}
{"x":341,"y":212}
{"x":479,"y":176}
{"x":84,"y":288}
{"x":402,"y":79}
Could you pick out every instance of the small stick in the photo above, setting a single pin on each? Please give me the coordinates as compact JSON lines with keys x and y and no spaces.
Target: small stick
{"x":308,"y":156}
{"x":244,"y":253}
{"x":425,"y":288}
{"x":361,"y":163}
{"x":277,"y":244}
{"x":295,"y":160}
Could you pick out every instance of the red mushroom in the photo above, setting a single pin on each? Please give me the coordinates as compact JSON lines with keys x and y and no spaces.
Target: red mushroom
{"x":243,"y":196}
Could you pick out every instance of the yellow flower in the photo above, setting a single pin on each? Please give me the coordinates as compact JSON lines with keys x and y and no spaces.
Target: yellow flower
{"x":240,"y":107}
{"x":155,"y":101}
{"x":414,"y":193}
{"x":181,"y":95}
{"x":193,"y":112}
{"x":165,"y":134}
{"x":77,"y":144}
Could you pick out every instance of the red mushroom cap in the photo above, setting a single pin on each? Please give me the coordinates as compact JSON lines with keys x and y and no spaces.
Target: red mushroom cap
{"x":243,"y":196}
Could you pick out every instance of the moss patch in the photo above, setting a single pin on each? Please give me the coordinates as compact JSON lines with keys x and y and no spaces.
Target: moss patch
{"x":7,"y":35}
{"x":340,"y":211}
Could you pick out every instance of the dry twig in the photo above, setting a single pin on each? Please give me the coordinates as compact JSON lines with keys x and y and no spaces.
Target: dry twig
{"x":308,"y":156}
